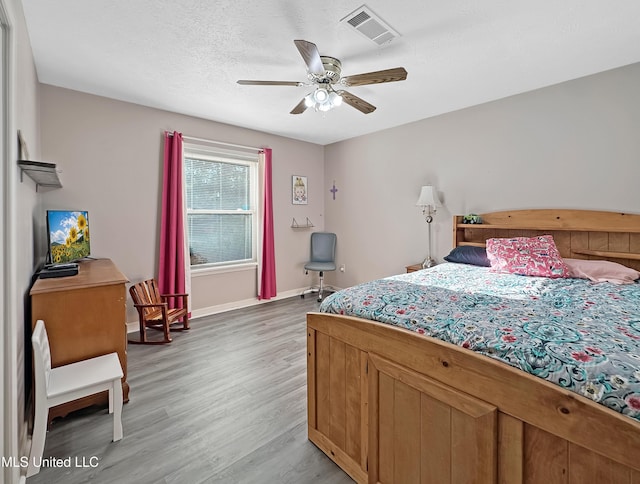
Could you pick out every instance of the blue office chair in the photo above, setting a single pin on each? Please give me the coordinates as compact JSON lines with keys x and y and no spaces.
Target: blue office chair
{"x":323,"y":255}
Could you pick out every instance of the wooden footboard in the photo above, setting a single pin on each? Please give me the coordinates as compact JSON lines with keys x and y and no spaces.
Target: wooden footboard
{"x":391,"y":406}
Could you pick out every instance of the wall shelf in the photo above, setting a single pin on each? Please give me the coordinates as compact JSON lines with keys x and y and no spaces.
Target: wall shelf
{"x":44,"y":174}
{"x":306,"y":225}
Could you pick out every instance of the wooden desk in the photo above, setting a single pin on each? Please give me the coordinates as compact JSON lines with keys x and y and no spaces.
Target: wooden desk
{"x":85,"y":316}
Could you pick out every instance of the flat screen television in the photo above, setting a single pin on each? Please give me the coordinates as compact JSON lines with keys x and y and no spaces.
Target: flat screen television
{"x":68,"y":235}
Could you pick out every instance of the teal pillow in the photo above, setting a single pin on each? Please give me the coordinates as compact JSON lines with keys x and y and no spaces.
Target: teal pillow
{"x":469,"y":254}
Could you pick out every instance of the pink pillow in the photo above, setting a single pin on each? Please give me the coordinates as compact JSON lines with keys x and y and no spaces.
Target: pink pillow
{"x":601,"y":271}
{"x":527,"y":256}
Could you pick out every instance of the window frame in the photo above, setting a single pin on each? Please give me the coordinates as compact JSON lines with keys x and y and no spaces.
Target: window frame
{"x":213,"y":155}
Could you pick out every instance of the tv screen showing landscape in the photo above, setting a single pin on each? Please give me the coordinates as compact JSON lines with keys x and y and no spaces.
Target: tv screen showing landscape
{"x":68,"y":235}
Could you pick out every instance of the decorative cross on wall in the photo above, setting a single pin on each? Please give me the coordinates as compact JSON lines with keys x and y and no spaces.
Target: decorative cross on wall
{"x":334,"y":190}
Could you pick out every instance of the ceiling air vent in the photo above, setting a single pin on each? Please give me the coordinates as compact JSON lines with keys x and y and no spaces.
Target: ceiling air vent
{"x":370,"y":25}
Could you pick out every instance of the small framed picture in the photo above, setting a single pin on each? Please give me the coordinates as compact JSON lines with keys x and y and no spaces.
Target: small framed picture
{"x":299,"y":190}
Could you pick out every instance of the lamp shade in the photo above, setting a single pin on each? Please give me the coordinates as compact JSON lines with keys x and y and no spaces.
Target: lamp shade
{"x":428,"y":197}
{"x":320,"y":95}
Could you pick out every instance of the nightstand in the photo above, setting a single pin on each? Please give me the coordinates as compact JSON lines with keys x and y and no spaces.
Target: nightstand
{"x":414,"y":267}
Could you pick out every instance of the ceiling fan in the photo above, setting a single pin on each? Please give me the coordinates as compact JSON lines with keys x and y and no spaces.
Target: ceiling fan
{"x":324,"y":72}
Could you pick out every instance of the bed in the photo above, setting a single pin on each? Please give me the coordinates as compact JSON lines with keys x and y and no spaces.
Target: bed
{"x":415,"y":402}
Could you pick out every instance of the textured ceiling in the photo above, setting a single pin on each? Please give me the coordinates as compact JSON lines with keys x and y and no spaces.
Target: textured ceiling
{"x":186,"y":55}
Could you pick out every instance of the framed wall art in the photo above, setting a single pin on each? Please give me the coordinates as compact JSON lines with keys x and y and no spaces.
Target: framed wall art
{"x":299,"y":190}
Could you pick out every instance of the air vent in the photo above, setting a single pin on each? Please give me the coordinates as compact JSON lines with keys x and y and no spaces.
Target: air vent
{"x":370,"y":25}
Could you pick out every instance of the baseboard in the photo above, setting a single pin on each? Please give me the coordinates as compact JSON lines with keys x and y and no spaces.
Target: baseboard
{"x":133,"y":326}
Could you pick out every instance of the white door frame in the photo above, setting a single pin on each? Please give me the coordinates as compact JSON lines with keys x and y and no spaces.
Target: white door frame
{"x":8,"y":281}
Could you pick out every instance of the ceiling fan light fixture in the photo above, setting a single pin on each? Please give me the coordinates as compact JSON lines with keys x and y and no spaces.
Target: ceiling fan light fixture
{"x":308,"y":100}
{"x":323,"y":99}
{"x":335,"y":99}
{"x":320,"y":95}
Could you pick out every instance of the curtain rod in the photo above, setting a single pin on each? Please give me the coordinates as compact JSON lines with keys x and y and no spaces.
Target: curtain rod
{"x":202,"y":140}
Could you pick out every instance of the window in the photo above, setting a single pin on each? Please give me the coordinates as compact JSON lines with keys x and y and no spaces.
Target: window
{"x":221,"y":206}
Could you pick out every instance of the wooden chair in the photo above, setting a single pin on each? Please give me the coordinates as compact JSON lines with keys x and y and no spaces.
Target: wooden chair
{"x":154,"y":312}
{"x":54,"y":386}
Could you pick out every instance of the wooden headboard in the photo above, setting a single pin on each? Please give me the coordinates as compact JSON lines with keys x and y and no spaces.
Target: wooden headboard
{"x":578,"y":234}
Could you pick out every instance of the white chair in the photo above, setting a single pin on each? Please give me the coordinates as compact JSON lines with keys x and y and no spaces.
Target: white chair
{"x":54,"y":386}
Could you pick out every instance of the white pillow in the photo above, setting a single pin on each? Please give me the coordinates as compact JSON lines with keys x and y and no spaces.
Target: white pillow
{"x":601,"y":271}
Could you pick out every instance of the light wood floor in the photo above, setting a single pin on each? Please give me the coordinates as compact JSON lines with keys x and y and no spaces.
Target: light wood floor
{"x":224,"y":402}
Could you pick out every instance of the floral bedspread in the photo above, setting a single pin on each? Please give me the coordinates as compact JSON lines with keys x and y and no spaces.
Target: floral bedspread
{"x":580,"y":335}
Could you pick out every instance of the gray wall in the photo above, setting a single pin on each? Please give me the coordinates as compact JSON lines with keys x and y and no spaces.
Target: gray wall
{"x":111,"y":156}
{"x":572,"y":145}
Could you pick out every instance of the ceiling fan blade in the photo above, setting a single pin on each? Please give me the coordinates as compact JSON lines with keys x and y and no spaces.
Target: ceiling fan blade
{"x":377,"y":77}
{"x":269,"y":83}
{"x":354,"y":101}
{"x":300,"y":108}
{"x":311,"y":56}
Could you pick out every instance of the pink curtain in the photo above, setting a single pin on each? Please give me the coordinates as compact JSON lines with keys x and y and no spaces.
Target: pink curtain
{"x":267,"y":276}
{"x":172,"y":265}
